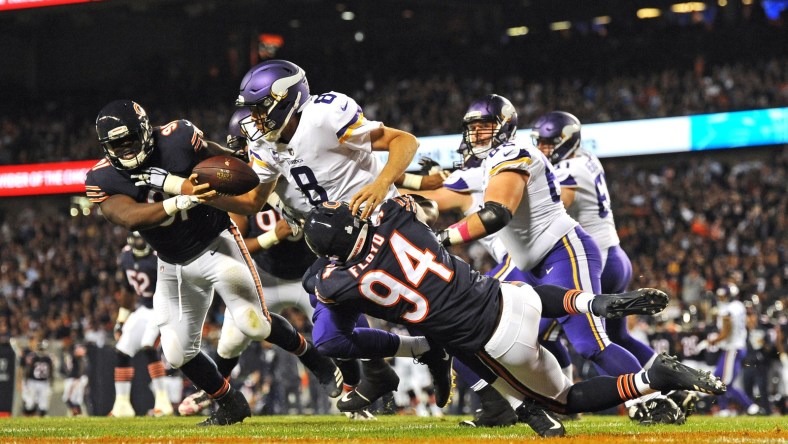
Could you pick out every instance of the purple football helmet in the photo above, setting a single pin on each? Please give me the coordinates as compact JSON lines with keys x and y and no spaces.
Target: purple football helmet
{"x":559,"y":129}
{"x":491,"y":108}
{"x":273,"y":91}
{"x":237,"y":133}
{"x":125,"y":134}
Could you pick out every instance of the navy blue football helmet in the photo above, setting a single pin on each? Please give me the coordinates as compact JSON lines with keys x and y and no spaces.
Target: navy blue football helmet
{"x":125,"y":134}
{"x":139,"y":247}
{"x":494,"y":109}
{"x":273,"y":91}
{"x":560,"y":130}
{"x":331,"y":230}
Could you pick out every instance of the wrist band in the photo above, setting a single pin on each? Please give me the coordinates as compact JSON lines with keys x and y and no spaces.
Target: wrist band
{"x":412,"y":181}
{"x":123,"y":314}
{"x":267,"y":239}
{"x":170,"y":207}
{"x":172,"y":184}
{"x":459,"y":234}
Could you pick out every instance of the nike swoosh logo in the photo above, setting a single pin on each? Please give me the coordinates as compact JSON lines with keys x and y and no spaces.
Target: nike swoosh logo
{"x":549,"y":270}
{"x":345,"y":397}
{"x":556,"y":424}
{"x":343,"y":108}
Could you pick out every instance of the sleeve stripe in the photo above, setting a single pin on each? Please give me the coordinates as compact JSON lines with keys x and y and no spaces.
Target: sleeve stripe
{"x":504,"y":165}
{"x":346,"y":131}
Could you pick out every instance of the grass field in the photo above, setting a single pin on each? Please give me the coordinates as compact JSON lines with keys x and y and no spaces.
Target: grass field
{"x":387,"y":429}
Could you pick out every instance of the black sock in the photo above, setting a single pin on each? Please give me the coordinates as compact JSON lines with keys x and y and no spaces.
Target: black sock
{"x":351,"y":370}
{"x":226,"y":365}
{"x":376,"y":365}
{"x":552,"y":298}
{"x":285,"y":335}
{"x":591,"y":395}
{"x":202,"y":371}
{"x":488,"y":394}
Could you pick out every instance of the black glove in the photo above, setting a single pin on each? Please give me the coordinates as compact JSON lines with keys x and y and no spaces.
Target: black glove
{"x":427,"y":166}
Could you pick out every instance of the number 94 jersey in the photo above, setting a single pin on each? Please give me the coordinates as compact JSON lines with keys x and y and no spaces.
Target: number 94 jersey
{"x":328,"y":158}
{"x":405,"y":276}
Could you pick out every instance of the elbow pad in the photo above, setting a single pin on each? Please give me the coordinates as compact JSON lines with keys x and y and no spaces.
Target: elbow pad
{"x":494,"y":216}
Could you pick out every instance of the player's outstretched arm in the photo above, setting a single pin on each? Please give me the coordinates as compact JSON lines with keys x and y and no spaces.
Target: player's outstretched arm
{"x":246,"y":204}
{"x":402,"y":147}
{"x":124,"y":211}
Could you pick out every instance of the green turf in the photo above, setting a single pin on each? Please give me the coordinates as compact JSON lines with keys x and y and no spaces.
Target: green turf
{"x":338,"y":428}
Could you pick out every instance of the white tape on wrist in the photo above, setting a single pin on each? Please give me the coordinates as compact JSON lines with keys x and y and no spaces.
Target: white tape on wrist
{"x":173,"y":184}
{"x":412,"y":181}
{"x":178,"y":203}
{"x":267,"y":239}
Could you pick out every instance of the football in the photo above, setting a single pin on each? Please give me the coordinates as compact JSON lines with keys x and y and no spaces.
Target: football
{"x":227,"y":175}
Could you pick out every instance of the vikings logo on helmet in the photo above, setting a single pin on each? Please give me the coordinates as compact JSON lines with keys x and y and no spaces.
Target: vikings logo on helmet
{"x":560,"y":130}
{"x":494,"y":109}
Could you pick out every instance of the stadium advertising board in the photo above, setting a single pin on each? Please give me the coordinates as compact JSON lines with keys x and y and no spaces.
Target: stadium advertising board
{"x":7,"y":5}
{"x":44,"y":178}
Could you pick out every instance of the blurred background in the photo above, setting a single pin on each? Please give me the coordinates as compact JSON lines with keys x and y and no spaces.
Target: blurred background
{"x":692,"y":221}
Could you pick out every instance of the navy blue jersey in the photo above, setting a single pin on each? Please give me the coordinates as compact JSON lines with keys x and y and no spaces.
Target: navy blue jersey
{"x":186,"y":233}
{"x":285,"y":260}
{"x":405,"y":276}
{"x":37,"y":366}
{"x":141,"y":274}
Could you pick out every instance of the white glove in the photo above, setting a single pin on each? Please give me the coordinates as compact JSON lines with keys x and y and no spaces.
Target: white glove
{"x":159,"y":179}
{"x":180,"y":202}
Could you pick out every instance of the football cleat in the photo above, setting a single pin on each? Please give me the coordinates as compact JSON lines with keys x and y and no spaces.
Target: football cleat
{"x":194,"y":403}
{"x":376,"y":383}
{"x":361,"y":415}
{"x":327,"y":373}
{"x":233,"y":408}
{"x":439,"y":363}
{"x":541,"y":420}
{"x":667,"y":373}
{"x":162,"y":405}
{"x":665,"y":411}
{"x":685,"y":400}
{"x":497,"y":413}
{"x":643,"y":301}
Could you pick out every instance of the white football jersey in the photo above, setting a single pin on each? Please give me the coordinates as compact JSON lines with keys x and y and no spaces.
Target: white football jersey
{"x":737,"y":339}
{"x":328,"y":158}
{"x":541,"y":220}
{"x":471,"y":181}
{"x":591,"y":206}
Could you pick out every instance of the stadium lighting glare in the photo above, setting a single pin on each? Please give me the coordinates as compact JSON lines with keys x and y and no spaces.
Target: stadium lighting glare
{"x":684,"y":8}
{"x":359,"y":36}
{"x":602,"y":20}
{"x":295,"y":23}
{"x":560,"y":26}
{"x":348,"y":15}
{"x":746,"y":2}
{"x":722,"y":3}
{"x":517,"y":31}
{"x":647,"y":13}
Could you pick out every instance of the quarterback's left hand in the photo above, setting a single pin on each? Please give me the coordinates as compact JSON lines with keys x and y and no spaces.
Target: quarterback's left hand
{"x":370,"y":196}
{"x":159,"y":179}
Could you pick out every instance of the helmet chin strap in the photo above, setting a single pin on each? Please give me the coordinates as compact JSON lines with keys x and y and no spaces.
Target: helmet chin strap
{"x":359,"y":244}
{"x":273,"y":136}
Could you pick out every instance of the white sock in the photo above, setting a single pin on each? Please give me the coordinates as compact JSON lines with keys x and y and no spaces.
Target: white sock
{"x":122,"y":388}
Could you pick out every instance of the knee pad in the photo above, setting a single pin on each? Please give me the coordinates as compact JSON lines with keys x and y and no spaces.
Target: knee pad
{"x":254,"y":325}
{"x":176,"y":354}
{"x":231,"y":345}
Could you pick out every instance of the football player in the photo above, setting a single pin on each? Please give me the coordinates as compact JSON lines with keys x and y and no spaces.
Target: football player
{"x":137,"y":330}
{"x":322,"y":145}
{"x":282,"y":260}
{"x":585,"y":196}
{"x":732,"y":341}
{"x":523,"y":205}
{"x":142,"y":185}
{"x":396,"y":269}
{"x":36,"y":365}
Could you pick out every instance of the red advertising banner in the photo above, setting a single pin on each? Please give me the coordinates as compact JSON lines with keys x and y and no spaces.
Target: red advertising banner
{"x":44,"y":178}
{"x":7,"y":5}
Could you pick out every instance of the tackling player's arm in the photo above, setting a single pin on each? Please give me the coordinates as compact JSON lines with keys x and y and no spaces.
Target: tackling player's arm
{"x":402,"y":147}
{"x":567,"y":195}
{"x":245,"y":204}
{"x":264,"y":241}
{"x":122,"y":210}
{"x":445,"y":198}
{"x":503,"y":194}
